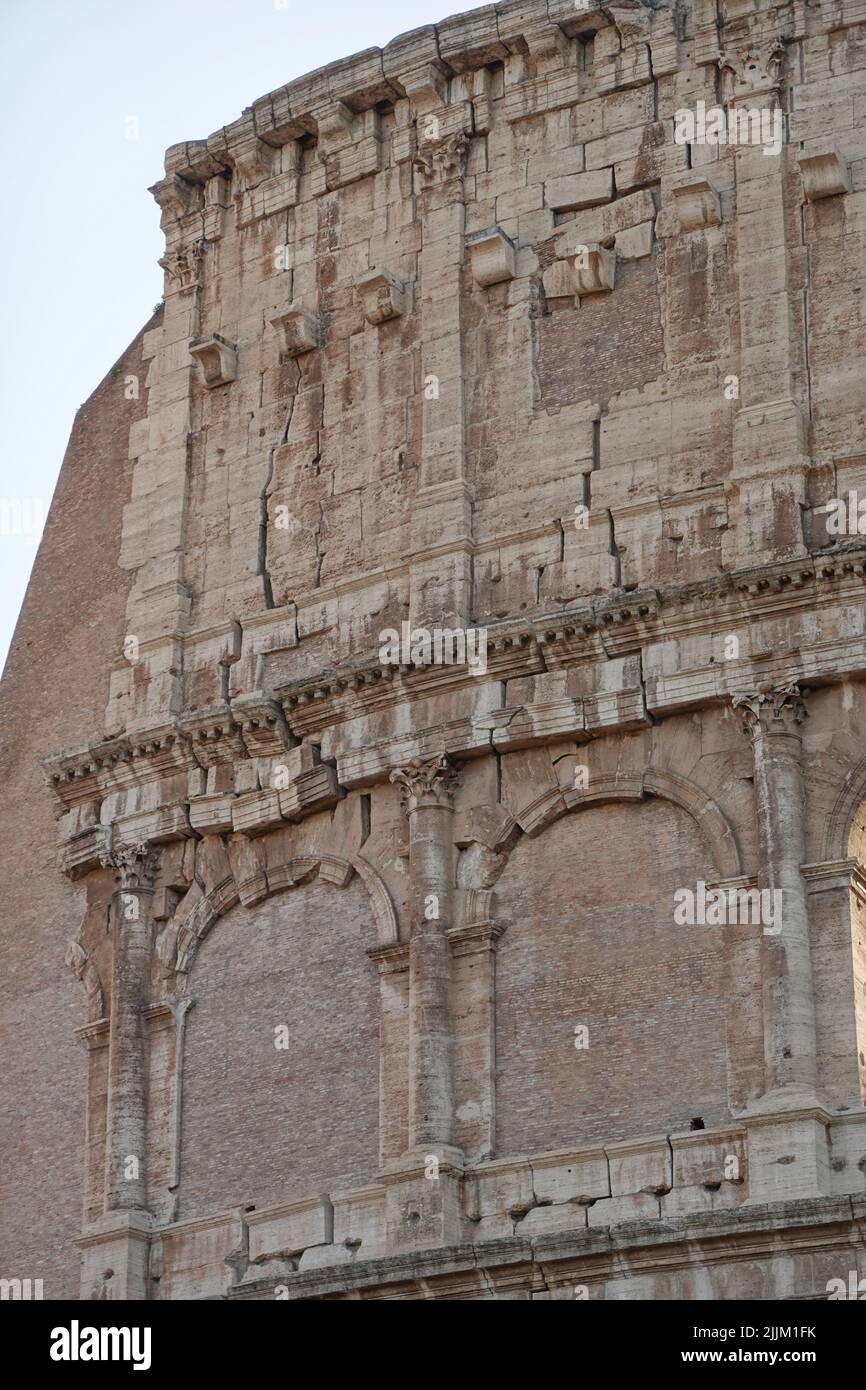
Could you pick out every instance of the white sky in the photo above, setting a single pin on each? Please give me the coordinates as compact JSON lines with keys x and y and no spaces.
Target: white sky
{"x":80,"y":238}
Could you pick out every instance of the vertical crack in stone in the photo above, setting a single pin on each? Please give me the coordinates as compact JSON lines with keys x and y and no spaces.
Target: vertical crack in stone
{"x":642,"y":681}
{"x":614,"y":550}
{"x":263,"y":535}
{"x":264,"y":519}
{"x":320,"y":554}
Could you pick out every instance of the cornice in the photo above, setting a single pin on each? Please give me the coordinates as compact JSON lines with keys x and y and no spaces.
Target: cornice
{"x":416,"y":67}
{"x":91,"y":769}
{"x":264,"y":725}
{"x":603,"y":628}
{"x":420,"y":67}
{"x":660,"y":1247}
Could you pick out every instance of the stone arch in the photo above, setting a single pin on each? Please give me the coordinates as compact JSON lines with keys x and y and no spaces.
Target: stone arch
{"x":707,"y":814}
{"x":840,"y":823}
{"x":587,"y":944}
{"x":179,"y":943}
{"x":554,"y":802}
{"x":268,"y":1121}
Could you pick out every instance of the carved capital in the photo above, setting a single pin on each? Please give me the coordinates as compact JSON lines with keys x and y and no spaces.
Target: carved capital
{"x":183,"y":265}
{"x":772,"y":709}
{"x":755,"y":70}
{"x":135,"y":866}
{"x":440,"y":160}
{"x":425,"y":782}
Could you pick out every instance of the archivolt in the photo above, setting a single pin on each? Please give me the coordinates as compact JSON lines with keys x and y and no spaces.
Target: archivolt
{"x":841,"y":818}
{"x":189,"y":934}
{"x":554,"y":802}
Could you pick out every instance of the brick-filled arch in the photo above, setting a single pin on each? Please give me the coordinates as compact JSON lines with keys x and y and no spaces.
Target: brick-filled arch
{"x":587,"y":907}
{"x":263,"y":1124}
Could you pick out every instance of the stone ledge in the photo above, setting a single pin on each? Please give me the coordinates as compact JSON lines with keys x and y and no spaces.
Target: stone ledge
{"x":601,"y":630}
{"x":415,"y":67}
{"x":596,"y":1253}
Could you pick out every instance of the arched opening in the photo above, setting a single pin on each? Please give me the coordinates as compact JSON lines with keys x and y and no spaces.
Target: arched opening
{"x":281,"y":1062}
{"x":591,"y":943}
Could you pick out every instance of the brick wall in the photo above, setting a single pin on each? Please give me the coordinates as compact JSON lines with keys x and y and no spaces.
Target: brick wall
{"x":590,"y":940}
{"x":54,"y":690}
{"x":262,"y":1124}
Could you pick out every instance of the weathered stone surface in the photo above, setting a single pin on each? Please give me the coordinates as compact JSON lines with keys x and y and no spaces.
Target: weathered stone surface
{"x":412,"y":702}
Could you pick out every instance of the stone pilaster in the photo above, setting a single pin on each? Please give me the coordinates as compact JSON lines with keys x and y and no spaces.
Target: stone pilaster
{"x":94,"y":1037}
{"x":131,"y":910}
{"x":770,"y":455}
{"x":473,"y":946}
{"x":837,"y":911}
{"x":425,"y":791}
{"x":392,"y":962}
{"x":772,"y":718}
{"x":440,"y":576}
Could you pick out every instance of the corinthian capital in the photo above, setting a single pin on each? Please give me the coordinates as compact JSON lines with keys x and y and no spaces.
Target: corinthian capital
{"x":437,"y":161}
{"x":134,"y":865}
{"x":772,"y":709}
{"x":425,"y":781}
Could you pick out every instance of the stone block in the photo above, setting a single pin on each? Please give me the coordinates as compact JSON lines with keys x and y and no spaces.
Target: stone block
{"x":614,"y":1211}
{"x":824,"y":171}
{"x":299,"y":331}
{"x":696,"y":204}
{"x":491,"y":257}
{"x":639,"y":1165}
{"x":594,"y":269}
{"x":574,"y":191}
{"x":289,"y":1229}
{"x":382,"y":295}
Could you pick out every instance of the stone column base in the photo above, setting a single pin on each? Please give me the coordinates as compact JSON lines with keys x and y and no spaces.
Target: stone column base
{"x":789,"y":1146}
{"x":115,"y":1257}
{"x":424,"y":1199}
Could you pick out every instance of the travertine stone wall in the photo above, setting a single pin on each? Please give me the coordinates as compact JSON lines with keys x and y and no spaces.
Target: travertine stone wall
{"x":465,"y":333}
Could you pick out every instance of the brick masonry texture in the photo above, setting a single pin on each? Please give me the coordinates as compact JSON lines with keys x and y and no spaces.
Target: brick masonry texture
{"x":574,"y":953}
{"x":312,"y":1106}
{"x":54,"y":689}
{"x":458,"y":335}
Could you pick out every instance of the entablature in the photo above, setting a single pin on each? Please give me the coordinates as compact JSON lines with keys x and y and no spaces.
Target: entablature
{"x":254,"y":761}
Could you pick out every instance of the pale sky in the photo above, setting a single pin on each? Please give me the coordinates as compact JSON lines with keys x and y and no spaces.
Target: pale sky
{"x":80,"y":238}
